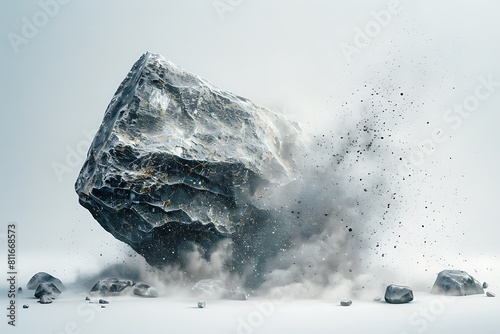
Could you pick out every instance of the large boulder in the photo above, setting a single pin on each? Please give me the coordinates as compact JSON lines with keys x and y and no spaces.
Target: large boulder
{"x":456,"y":283}
{"x":398,"y":294}
{"x":43,"y":277}
{"x":179,"y":162}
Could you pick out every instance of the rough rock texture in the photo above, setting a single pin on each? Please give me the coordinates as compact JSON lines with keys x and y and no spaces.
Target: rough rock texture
{"x":210,"y":288}
{"x":456,"y":283}
{"x":145,"y":290}
{"x":111,"y":286}
{"x":43,"y":277}
{"x":178,"y":161}
{"x":398,"y":294}
{"x":47,"y":289}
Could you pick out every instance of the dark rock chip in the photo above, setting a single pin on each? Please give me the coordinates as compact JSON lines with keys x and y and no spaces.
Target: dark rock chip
{"x":43,"y":277}
{"x":112,"y":286}
{"x":398,"y":294}
{"x":490,"y":294}
{"x":47,"y":289}
{"x":20,"y":291}
{"x":145,"y":290}
{"x":26,"y":306}
{"x":87,"y":299}
{"x":46,"y":299}
{"x":201,"y":304}
{"x":456,"y":283}
{"x":485,"y":285}
{"x":346,"y":302}
{"x":103,"y":301}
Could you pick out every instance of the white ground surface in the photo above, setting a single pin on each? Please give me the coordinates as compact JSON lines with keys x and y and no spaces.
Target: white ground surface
{"x":426,"y":314}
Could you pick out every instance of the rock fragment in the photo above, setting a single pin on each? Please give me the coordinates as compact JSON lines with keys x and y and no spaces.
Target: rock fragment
{"x":45,"y":299}
{"x":43,"y":277}
{"x":456,"y":283}
{"x":346,"y":302}
{"x":47,"y":289}
{"x":112,"y":286}
{"x":398,"y":294}
{"x":145,"y":290}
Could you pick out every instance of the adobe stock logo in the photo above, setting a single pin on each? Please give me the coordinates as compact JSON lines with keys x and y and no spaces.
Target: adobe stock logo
{"x":31,"y":27}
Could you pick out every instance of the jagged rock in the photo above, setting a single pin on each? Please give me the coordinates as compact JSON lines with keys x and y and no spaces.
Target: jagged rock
{"x":176,"y":161}
{"x":47,"y":289}
{"x":346,"y":302}
{"x":216,"y":289}
{"x":87,"y":299}
{"x":490,"y":294}
{"x":43,"y":277}
{"x":103,"y":301}
{"x":485,"y":285}
{"x":112,"y":286}
{"x":201,"y":304}
{"x":456,"y":283}
{"x":46,"y":299}
{"x":145,"y":290}
{"x":20,"y":291}
{"x":398,"y":294}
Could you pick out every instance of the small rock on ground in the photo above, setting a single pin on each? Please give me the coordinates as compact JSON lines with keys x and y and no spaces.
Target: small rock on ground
{"x":490,"y":294}
{"x":346,"y":302}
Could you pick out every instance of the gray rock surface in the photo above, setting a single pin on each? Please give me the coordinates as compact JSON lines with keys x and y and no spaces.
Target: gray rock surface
{"x":398,"y":294}
{"x":43,"y":277}
{"x":217,"y":290}
{"x":112,"y":286}
{"x":177,"y":160}
{"x":47,"y":289}
{"x":145,"y":290}
{"x":456,"y":283}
